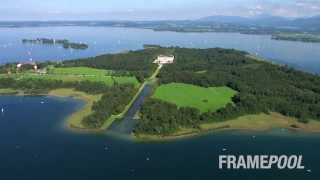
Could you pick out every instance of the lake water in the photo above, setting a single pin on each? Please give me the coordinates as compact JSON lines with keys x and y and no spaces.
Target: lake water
{"x":110,"y":40}
{"x":34,"y":146}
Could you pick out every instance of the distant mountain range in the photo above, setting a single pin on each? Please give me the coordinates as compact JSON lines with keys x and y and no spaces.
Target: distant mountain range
{"x":266,"y":20}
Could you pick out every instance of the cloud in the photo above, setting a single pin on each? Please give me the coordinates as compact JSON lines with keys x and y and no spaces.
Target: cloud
{"x":287,"y":8}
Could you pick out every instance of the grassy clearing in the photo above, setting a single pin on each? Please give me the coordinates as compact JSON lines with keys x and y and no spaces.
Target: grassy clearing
{"x":75,"y":119}
{"x":204,"y":99}
{"x":108,"y":80}
{"x":81,"y":71}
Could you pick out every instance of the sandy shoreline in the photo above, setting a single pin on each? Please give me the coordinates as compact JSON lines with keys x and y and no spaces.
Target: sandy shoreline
{"x":257,"y":123}
{"x":73,"y":121}
{"x":248,"y":123}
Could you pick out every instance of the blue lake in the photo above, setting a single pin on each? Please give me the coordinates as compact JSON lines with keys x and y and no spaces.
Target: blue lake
{"x":34,"y":144}
{"x":110,"y":40}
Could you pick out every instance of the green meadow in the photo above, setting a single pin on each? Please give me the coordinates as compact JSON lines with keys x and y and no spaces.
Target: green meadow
{"x":81,"y":71}
{"x":204,"y":99}
{"x":77,"y":74}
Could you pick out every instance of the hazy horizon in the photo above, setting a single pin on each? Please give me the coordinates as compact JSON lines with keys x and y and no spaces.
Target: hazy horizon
{"x":39,"y":10}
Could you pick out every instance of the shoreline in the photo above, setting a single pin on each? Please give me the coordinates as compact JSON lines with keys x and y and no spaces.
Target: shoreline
{"x":258,"y":123}
{"x":71,"y":122}
{"x":248,"y":123}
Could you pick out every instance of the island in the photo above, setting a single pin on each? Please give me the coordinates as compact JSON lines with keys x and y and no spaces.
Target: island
{"x":302,"y":37}
{"x":66,"y":44}
{"x":193,"y":91}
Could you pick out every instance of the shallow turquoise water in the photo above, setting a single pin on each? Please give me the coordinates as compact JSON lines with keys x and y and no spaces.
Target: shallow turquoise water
{"x":34,"y":146}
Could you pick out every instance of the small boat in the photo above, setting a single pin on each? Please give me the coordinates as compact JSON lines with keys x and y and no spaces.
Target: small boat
{"x":148,"y":159}
{"x":253,"y":137}
{"x":42,"y":102}
{"x":2,"y":110}
{"x":309,"y":171}
{"x":224,"y":149}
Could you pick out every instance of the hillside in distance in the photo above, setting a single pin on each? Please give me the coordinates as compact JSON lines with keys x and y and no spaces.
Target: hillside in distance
{"x":308,"y":23}
{"x":262,"y":24}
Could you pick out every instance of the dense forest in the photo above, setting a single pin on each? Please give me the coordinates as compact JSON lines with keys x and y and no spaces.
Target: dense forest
{"x":261,"y":86}
{"x":137,"y":63}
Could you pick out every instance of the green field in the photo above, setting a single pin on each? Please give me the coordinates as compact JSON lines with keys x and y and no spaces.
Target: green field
{"x":77,"y":74}
{"x":81,"y":71}
{"x":204,"y":99}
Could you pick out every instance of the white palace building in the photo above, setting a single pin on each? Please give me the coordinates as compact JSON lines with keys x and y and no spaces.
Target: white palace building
{"x":164,"y":60}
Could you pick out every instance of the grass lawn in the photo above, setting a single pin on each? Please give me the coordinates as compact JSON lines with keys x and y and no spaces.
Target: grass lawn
{"x":204,"y":99}
{"x":81,"y":71}
{"x":108,"y":80}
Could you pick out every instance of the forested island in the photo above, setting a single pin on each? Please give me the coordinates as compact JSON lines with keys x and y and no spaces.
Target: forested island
{"x":302,"y":37}
{"x":66,"y":44}
{"x":203,"y":89}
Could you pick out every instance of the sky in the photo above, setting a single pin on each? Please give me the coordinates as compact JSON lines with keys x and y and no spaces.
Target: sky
{"x":151,"y":9}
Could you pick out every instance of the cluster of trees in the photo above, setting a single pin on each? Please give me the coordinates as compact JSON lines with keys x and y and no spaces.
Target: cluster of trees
{"x":35,"y":86}
{"x":64,"y":42}
{"x":113,"y":102}
{"x":297,"y":37}
{"x":4,"y":69}
{"x":261,"y":86}
{"x":162,"y":118}
{"x":137,"y":63}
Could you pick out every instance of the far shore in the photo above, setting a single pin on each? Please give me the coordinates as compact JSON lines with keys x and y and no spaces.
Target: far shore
{"x":254,"y":123}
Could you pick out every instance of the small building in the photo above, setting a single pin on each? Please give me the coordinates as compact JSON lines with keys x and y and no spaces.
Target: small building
{"x":29,"y":66}
{"x":164,"y":60}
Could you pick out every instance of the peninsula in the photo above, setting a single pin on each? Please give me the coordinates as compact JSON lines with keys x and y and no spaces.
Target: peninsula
{"x":302,"y":37}
{"x":194,"y":91}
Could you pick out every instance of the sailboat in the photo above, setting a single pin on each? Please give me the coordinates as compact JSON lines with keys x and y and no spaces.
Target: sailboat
{"x":2,"y":110}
